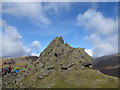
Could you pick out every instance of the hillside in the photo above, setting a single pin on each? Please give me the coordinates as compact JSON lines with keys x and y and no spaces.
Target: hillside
{"x":58,"y":66}
{"x":108,"y":60}
{"x":108,"y":64}
{"x":19,"y":61}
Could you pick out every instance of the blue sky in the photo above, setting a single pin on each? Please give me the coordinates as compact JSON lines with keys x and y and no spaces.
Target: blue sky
{"x":84,"y":25}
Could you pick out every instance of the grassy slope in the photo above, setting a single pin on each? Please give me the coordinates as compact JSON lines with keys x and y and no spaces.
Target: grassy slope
{"x":73,"y":79}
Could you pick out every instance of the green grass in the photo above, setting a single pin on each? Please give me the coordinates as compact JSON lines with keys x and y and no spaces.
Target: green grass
{"x":54,"y":80}
{"x":72,"y":79}
{"x":92,"y":79}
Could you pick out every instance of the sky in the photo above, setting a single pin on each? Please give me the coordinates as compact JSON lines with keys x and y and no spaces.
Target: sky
{"x":27,"y":28}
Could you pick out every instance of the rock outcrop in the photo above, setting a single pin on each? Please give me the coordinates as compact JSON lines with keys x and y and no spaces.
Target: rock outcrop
{"x":60,"y":56}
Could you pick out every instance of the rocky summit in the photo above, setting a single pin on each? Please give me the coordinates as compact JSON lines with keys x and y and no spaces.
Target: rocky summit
{"x":60,"y":56}
{"x":58,"y":66}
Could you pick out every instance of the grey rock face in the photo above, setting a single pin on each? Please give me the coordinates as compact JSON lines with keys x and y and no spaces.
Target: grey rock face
{"x":62,"y":56}
{"x":44,"y":72}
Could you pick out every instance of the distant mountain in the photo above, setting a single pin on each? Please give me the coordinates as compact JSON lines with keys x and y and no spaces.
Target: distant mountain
{"x":108,"y":60}
{"x":109,"y":64}
{"x":19,"y":60}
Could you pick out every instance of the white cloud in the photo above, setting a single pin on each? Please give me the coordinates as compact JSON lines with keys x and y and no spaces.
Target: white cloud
{"x":56,"y":7}
{"x":34,"y":54}
{"x":31,"y":11}
{"x":36,"y":45}
{"x":101,"y":30}
{"x":95,"y":22}
{"x":11,"y":42}
{"x":105,"y":46}
{"x":89,"y":51}
{"x":35,"y":12}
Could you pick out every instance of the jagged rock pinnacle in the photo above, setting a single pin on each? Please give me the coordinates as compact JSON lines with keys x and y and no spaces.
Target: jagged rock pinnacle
{"x":63,"y":56}
{"x":58,"y":40}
